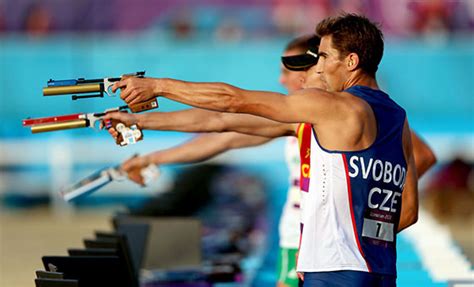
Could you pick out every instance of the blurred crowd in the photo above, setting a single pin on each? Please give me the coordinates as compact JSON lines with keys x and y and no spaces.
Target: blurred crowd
{"x":449,"y":193}
{"x":230,"y":19}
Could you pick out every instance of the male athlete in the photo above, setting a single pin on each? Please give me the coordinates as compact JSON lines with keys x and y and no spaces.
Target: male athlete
{"x":360,"y":179}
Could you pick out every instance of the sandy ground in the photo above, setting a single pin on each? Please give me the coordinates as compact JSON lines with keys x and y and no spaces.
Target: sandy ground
{"x":27,"y":235}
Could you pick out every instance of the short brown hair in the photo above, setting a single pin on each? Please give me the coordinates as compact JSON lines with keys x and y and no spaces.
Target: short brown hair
{"x":353,"y":33}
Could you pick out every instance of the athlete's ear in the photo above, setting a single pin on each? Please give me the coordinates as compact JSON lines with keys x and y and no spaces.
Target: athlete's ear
{"x":352,"y":61}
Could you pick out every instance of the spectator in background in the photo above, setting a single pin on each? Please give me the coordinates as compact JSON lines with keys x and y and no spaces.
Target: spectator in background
{"x":431,"y":17}
{"x":2,"y":18}
{"x":182,"y":25}
{"x":463,"y":16}
{"x":293,"y":16}
{"x":450,"y":192}
{"x":229,"y":30}
{"x":37,"y":21}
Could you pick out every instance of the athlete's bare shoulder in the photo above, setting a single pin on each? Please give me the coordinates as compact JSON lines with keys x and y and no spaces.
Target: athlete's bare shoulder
{"x":349,"y":123}
{"x":355,"y":105}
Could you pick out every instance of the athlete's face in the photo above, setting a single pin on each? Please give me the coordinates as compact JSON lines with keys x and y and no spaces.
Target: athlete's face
{"x":291,"y":80}
{"x":314,"y":79}
{"x":330,"y":65}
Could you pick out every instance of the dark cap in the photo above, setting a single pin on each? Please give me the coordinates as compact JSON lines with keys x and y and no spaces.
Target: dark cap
{"x":304,"y":61}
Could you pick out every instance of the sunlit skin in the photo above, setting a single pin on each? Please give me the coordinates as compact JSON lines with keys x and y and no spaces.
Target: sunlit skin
{"x":291,"y":80}
{"x":297,"y":80}
{"x":340,"y":72}
{"x":314,"y":79}
{"x":330,"y":66}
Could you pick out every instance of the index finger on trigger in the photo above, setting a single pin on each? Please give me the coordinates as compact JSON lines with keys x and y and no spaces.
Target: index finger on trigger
{"x":118,"y":85}
{"x":116,"y":115}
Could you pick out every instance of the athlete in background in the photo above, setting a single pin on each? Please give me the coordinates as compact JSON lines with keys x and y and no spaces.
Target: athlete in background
{"x":208,"y":145}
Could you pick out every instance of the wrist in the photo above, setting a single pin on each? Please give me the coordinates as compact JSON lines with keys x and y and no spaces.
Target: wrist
{"x":159,"y":87}
{"x":147,"y":160}
{"x":140,"y":121}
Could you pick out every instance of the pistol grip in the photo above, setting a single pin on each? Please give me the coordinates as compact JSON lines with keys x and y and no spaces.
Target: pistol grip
{"x":126,"y":135}
{"x":144,"y":106}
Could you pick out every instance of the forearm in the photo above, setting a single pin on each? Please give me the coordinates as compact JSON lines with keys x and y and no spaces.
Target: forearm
{"x":199,"y":120}
{"x":230,"y":99}
{"x":191,"y":120}
{"x":214,"y":96}
{"x":409,"y":212}
{"x":409,"y":209}
{"x":195,"y":150}
{"x":204,"y":147}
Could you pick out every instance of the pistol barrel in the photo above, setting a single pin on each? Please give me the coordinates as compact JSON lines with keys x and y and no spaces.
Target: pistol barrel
{"x":59,"y":126}
{"x":77,"y":89}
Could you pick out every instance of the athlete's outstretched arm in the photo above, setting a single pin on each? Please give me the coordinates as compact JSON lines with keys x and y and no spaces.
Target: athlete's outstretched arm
{"x":199,"y":120}
{"x":308,"y":105}
{"x":199,"y":148}
{"x":424,"y":156}
{"x":409,"y":213}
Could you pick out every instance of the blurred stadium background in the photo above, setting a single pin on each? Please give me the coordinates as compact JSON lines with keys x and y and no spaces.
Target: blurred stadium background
{"x":428,"y":67}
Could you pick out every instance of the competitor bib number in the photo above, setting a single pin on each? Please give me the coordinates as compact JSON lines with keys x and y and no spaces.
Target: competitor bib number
{"x":378,"y":230}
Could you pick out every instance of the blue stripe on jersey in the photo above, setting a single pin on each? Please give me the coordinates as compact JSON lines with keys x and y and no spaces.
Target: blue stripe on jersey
{"x":377,"y":175}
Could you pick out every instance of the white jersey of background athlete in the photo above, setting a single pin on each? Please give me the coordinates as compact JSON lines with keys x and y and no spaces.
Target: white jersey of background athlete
{"x":289,"y":229}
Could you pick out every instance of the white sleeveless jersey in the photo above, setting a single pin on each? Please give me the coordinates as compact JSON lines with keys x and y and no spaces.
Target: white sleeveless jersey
{"x":328,"y":242}
{"x":289,"y":230}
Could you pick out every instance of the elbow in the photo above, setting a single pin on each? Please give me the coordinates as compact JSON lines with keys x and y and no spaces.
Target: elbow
{"x":408,"y":218}
{"x":432,"y":160}
{"x":426,"y":161}
{"x":428,"y":158}
{"x":412,"y":218}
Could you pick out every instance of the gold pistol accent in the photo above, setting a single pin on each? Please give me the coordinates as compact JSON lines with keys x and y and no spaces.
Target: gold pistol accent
{"x":59,"y":126}
{"x":77,"y":89}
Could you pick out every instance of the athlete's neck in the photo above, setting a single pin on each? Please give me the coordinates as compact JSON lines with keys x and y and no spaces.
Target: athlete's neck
{"x":361,"y":79}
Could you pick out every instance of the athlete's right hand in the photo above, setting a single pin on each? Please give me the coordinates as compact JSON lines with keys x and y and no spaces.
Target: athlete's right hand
{"x":133,"y":167}
{"x":125,"y":118}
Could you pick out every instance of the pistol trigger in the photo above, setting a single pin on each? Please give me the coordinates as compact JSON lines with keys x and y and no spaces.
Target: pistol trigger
{"x":108,"y":87}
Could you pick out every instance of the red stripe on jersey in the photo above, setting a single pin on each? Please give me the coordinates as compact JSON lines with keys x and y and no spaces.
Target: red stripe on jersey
{"x":304,"y":137}
{"x":349,"y":191}
{"x":299,"y":245}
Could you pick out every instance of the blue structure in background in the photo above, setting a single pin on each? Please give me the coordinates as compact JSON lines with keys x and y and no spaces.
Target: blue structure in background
{"x":433,"y":83}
